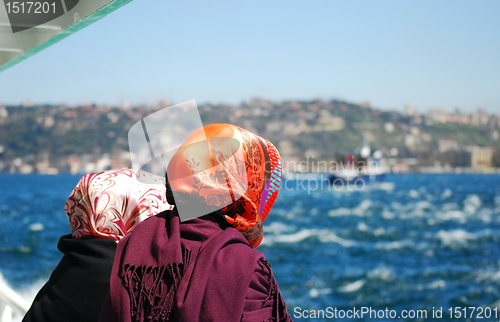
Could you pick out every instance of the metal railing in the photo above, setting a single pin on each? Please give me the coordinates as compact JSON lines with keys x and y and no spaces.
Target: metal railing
{"x":10,"y":302}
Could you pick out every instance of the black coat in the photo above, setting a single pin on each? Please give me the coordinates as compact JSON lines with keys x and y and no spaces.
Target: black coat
{"x":79,"y":284}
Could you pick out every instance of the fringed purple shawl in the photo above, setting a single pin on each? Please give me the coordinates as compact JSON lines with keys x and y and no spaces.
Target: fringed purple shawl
{"x":198,"y":270}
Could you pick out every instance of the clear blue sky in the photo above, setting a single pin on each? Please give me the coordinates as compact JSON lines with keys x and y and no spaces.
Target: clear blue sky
{"x":424,"y":53}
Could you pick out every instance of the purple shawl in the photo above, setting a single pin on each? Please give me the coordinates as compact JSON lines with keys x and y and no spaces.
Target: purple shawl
{"x":198,"y":270}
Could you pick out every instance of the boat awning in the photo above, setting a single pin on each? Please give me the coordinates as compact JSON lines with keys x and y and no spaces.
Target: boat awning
{"x":24,"y":32}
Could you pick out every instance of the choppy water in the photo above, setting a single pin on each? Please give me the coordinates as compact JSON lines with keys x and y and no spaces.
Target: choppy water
{"x":414,"y":242}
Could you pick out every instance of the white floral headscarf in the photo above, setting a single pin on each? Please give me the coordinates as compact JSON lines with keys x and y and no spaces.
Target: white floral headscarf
{"x":110,"y":204}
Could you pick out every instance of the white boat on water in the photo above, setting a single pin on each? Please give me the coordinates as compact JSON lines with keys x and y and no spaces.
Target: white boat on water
{"x":371,"y":170}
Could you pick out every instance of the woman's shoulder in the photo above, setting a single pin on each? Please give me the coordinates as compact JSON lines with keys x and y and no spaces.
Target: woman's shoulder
{"x":235,"y":245}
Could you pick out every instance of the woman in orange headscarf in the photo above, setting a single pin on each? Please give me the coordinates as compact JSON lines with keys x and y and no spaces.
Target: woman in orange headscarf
{"x":224,"y":179}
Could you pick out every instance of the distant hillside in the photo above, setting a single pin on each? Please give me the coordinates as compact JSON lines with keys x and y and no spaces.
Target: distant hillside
{"x":323,"y":129}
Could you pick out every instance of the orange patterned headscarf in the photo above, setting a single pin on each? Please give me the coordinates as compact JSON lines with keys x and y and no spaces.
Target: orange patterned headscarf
{"x":225,"y":169}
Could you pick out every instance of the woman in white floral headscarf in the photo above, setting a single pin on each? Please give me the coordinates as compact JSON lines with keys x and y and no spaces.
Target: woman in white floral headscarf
{"x":102,"y":209}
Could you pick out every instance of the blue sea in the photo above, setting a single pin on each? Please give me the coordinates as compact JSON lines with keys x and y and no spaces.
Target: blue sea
{"x":414,"y":242}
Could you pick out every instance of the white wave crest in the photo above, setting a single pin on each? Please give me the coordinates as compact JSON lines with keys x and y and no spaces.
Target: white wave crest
{"x":454,"y":238}
{"x":414,"y":194}
{"x":471,"y":204}
{"x":446,"y":194}
{"x":323,"y":235}
{"x":315,"y":292}
{"x":395,"y":245}
{"x":361,"y":210}
{"x":362,"y":227}
{"x":452,"y":215}
{"x":437,"y":284}
{"x":36,"y":227}
{"x":382,"y":272}
{"x":276,"y":228}
{"x":339,"y":212}
{"x":328,"y":236}
{"x":295,"y":237}
{"x":352,"y":287}
{"x":386,"y":186}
